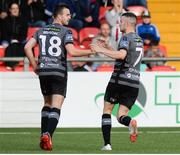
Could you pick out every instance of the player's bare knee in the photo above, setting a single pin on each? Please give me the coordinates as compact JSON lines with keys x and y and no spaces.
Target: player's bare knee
{"x":108,"y":107}
{"x":47,"y":101}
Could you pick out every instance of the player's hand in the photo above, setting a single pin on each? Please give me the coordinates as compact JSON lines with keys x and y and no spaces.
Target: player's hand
{"x":3,"y":15}
{"x":92,"y":51}
{"x":96,"y":48}
{"x":101,"y":42}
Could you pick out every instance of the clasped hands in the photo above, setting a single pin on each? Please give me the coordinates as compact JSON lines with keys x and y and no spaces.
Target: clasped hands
{"x":99,"y":46}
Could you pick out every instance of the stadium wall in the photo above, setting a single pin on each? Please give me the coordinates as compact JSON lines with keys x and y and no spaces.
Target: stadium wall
{"x":158,"y":103}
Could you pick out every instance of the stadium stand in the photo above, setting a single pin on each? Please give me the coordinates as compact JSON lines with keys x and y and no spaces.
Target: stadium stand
{"x":21,"y":68}
{"x":102,"y":12}
{"x":2,"y":50}
{"x":86,"y":34}
{"x":162,"y":68}
{"x":163,"y":49}
{"x":5,"y":69}
{"x":105,"y":68}
{"x":31,"y":31}
{"x":137,"y":10}
{"x":166,"y":15}
{"x":36,"y":51}
{"x":75,"y":36}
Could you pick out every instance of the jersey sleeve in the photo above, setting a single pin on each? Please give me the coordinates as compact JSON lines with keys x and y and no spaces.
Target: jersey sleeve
{"x":68,"y":39}
{"x":124,"y":43}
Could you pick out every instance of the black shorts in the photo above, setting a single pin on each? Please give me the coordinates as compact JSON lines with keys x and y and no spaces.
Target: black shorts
{"x":121,"y":94}
{"x":52,"y":84}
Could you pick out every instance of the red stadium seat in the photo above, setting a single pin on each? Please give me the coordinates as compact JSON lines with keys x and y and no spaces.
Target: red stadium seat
{"x":162,"y":68}
{"x":87,"y":33}
{"x":146,"y":47}
{"x":139,"y":20}
{"x":105,"y":68}
{"x":75,"y":33}
{"x":31,"y":31}
{"x":163,"y":49}
{"x":137,"y":10}
{"x":2,"y":53}
{"x":21,"y":63}
{"x":21,"y":68}
{"x":36,"y":51}
{"x":80,"y":46}
{"x":86,"y":42}
{"x":102,"y":12}
{"x":5,"y":69}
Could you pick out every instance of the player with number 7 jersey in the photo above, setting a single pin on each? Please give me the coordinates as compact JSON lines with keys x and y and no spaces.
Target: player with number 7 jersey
{"x":123,"y":86}
{"x":54,"y":40}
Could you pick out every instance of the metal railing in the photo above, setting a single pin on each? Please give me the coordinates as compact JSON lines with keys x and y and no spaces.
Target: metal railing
{"x":84,"y":59}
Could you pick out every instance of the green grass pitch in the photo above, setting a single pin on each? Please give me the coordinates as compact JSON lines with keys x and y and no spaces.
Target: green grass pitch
{"x":89,"y":140}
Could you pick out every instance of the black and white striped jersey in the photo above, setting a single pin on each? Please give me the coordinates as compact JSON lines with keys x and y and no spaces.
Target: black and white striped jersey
{"x":127,"y":71}
{"x":52,"y":58}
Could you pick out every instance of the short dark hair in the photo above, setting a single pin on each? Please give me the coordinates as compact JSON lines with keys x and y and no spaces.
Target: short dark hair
{"x":131,"y":17}
{"x":129,"y":14}
{"x":10,"y":4}
{"x":59,"y":8}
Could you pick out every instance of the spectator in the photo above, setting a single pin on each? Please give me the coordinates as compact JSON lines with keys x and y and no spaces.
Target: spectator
{"x":3,"y":13}
{"x":91,"y":10}
{"x":113,"y":17}
{"x":147,"y":31}
{"x":109,"y":42}
{"x":0,"y":31}
{"x":127,"y":3}
{"x":86,"y":11}
{"x":154,"y":52}
{"x":105,"y":3}
{"x":14,"y":31}
{"x":4,"y":4}
{"x":33,"y":10}
{"x":74,"y":22}
{"x":4,"y":8}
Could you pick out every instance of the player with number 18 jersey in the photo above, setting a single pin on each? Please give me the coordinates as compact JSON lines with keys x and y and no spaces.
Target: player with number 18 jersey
{"x":52,"y":57}
{"x":54,"y":40}
{"x":52,"y":60}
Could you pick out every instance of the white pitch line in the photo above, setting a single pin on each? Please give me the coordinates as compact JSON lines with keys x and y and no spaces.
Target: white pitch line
{"x":163,"y":132}
{"x":28,"y":133}
{"x":15,"y":133}
{"x":91,"y":132}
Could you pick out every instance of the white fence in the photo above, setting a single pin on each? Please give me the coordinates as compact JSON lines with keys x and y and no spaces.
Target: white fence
{"x":21,"y":101}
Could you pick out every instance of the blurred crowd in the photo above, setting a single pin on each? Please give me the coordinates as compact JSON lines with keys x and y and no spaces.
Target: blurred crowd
{"x":17,"y":16}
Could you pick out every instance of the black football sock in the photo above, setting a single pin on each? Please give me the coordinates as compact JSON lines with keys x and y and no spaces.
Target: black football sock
{"x":125,"y":120}
{"x":106,"y":128}
{"x":44,"y":118}
{"x":53,"y":120}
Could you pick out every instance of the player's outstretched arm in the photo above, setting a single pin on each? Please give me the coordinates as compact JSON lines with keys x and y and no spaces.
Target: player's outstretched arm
{"x":78,"y":52}
{"x":29,"y":53}
{"x":121,"y":54}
